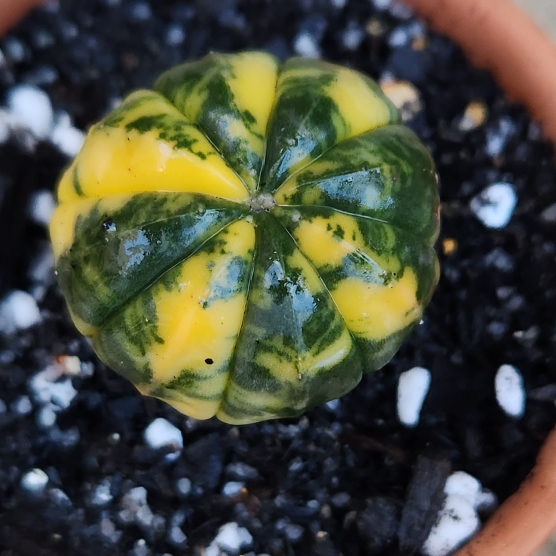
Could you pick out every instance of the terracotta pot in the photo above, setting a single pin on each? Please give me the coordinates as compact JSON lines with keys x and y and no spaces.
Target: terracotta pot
{"x":12,"y":11}
{"x":497,"y":36}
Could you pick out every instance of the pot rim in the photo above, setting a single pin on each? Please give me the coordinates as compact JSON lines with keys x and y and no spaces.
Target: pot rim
{"x":12,"y":11}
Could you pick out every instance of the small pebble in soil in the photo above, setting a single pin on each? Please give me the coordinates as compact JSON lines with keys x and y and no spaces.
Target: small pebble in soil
{"x":32,"y":108}
{"x":59,"y":498}
{"x":498,"y":135}
{"x":399,"y":9}
{"x":108,"y":530}
{"x":46,"y":417}
{"x":175,"y":35}
{"x":294,"y":532}
{"x":404,"y":96}
{"x":398,"y":37}
{"x":241,"y":471}
{"x":382,"y":4}
{"x":499,"y":259}
{"x":495,"y":205}
{"x":413,"y":386}
{"x":22,"y":406}
{"x":176,"y":537}
{"x":232,"y":488}
{"x":352,"y":36}
{"x":183,"y":486}
{"x":510,"y":391}
{"x":135,"y":509}
{"x":34,"y":481}
{"x":42,"y":39}
{"x":141,"y":11}
{"x":458,"y":519}
{"x":101,"y":495}
{"x":340,"y":500}
{"x":231,"y":538}
{"x":548,"y":215}
{"x":46,"y":387}
{"x":66,"y":137}
{"x":42,"y":206}
{"x":161,"y":434}
{"x":449,"y":245}
{"x":18,"y":311}
{"x":71,"y":365}
{"x":305,"y":45}
{"x":140,"y":548}
{"x":457,"y":522}
{"x":475,"y":116}
{"x":465,"y":485}
{"x":15,"y":50}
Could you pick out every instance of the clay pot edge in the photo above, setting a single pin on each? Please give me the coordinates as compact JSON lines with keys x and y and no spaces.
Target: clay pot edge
{"x":12,"y":11}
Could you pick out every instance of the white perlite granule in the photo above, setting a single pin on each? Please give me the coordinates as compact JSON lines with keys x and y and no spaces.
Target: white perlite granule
{"x":31,"y":107}
{"x":510,"y":393}
{"x":18,"y":311}
{"x":413,"y":387}
{"x":161,"y":433}
{"x":495,"y":205}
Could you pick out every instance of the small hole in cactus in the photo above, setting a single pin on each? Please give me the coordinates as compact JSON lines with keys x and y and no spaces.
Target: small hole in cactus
{"x":108,"y":225}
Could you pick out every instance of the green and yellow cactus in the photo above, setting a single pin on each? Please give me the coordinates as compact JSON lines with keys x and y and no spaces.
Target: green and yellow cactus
{"x":250,"y":237}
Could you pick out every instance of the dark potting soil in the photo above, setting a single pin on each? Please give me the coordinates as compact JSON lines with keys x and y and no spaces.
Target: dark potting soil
{"x":346,"y":478}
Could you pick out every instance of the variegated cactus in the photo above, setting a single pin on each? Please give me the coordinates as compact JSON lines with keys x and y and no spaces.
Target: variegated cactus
{"x":250,"y":237}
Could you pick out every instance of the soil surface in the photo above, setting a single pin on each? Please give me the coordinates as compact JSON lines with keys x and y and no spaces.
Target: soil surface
{"x":346,"y":478}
